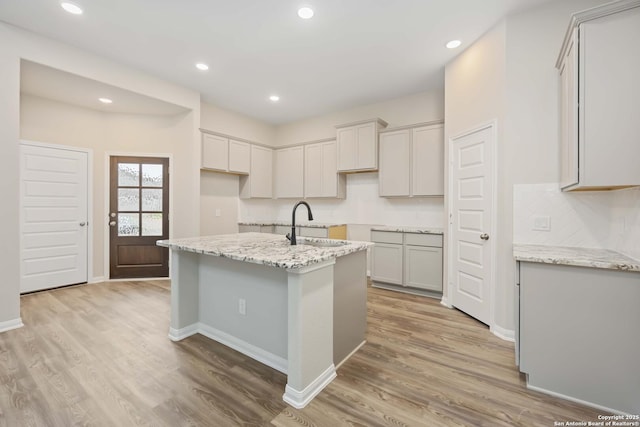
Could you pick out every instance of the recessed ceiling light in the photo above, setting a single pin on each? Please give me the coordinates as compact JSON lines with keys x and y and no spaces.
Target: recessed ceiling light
{"x":202,"y":66}
{"x":274,"y":98}
{"x":305,"y":12}
{"x":105,"y":100}
{"x":71,"y":7}
{"x":453,"y":44}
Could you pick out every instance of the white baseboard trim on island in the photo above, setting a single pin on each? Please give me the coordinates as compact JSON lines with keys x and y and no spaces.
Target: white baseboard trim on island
{"x":300,"y":399}
{"x":11,"y":324}
{"x":276,"y":362}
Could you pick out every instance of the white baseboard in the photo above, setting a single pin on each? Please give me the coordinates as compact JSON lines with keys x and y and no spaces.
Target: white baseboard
{"x":300,"y":399}
{"x":11,"y":324}
{"x":180,"y":334}
{"x":573,"y":399}
{"x":444,"y":301}
{"x":96,"y":279}
{"x":502,"y":333}
{"x":276,"y":362}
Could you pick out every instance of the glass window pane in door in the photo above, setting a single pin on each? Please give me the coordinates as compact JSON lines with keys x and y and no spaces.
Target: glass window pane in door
{"x":128,"y":199}
{"x":152,"y":224}
{"x":128,"y":224}
{"x":128,"y":174}
{"x":151,"y":199}
{"x":151,"y":175}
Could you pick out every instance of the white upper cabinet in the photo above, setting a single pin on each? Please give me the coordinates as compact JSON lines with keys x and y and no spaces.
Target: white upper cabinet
{"x":600,"y":99}
{"x":321,"y":178}
{"x":215,"y":152}
{"x":358,"y":145}
{"x":222,"y":154}
{"x":412,"y":161}
{"x":427,"y":161}
{"x":289,"y":172}
{"x":258,"y":184}
{"x":395,"y":157}
{"x":239,"y":157}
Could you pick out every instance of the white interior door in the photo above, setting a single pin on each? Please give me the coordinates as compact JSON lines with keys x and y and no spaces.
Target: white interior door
{"x":54,"y":212}
{"x":471,"y":248}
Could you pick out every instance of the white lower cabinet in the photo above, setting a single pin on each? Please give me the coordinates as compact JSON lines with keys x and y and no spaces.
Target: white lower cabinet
{"x":409,"y":260}
{"x":386,"y":263}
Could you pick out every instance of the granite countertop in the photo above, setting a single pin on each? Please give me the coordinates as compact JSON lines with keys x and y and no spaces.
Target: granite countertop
{"x":401,"y":229}
{"x":579,"y":257}
{"x":268,"y":249}
{"x":288,"y":224}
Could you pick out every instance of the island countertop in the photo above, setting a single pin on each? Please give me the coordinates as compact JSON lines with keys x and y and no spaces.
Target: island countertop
{"x":267,"y":249}
{"x":579,"y":257}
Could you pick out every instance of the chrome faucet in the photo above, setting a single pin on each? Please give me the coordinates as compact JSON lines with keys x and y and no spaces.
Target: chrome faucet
{"x":292,"y":236}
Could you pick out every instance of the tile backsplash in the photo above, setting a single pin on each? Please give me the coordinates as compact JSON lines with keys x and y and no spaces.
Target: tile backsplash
{"x":602,"y":219}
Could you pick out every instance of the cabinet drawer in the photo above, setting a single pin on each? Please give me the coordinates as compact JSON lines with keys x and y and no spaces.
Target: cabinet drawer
{"x":418,"y":239}
{"x":386,"y":237}
{"x":313,"y":232}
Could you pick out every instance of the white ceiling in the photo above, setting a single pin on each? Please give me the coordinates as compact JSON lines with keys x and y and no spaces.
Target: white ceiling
{"x":352,"y":52}
{"x":50,"y":83}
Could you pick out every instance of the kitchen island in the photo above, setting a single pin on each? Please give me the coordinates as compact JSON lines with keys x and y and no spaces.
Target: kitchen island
{"x":298,"y":309}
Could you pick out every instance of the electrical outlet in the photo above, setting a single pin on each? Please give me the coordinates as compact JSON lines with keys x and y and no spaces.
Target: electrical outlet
{"x":218,"y":212}
{"x":541,"y":223}
{"x":242,"y":306}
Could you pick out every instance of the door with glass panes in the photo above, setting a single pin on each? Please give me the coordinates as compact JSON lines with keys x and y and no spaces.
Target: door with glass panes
{"x":138,"y":217}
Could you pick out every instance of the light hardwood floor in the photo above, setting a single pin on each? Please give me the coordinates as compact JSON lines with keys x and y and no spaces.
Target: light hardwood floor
{"x":99,"y":355}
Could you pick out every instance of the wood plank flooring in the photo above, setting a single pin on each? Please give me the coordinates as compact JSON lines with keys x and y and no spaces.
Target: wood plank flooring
{"x":98,"y":355}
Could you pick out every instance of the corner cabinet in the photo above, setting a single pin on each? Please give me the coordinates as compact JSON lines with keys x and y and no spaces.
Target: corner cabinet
{"x":358,"y":145}
{"x":222,"y":154}
{"x":289,"y":172}
{"x":405,"y":261}
{"x":412,"y":161}
{"x":258,"y":184}
{"x":600,"y":99}
{"x":321,"y":178}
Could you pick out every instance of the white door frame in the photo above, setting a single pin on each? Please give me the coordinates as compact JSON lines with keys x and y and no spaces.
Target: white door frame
{"x":493,"y":232}
{"x":90,"y":226}
{"x":107,"y":189}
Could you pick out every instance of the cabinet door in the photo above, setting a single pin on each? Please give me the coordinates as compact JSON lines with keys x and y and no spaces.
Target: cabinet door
{"x":259,"y":182}
{"x":289,"y":172}
{"x":386,"y":263}
{"x":313,"y":170}
{"x":569,"y":116}
{"x":329,"y":174}
{"x":428,"y":161}
{"x":423,"y":267}
{"x":215,"y":152}
{"x":314,"y":232}
{"x":394,"y":176}
{"x":367,"y":146}
{"x":239,"y":157}
{"x":347,"y":149}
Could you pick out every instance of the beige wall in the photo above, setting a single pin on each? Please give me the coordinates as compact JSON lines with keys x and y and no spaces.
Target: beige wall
{"x":52,"y":122}
{"x":29,"y":46}
{"x":231,"y":123}
{"x":526,"y":83}
{"x":416,"y":108}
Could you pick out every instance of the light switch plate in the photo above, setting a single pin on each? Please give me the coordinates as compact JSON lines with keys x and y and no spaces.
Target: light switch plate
{"x":541,"y":223}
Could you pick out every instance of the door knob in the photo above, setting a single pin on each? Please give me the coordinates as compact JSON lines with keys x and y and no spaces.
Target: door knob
{"x":82,"y":224}
{"x":484,"y":236}
{"x":112,"y":223}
